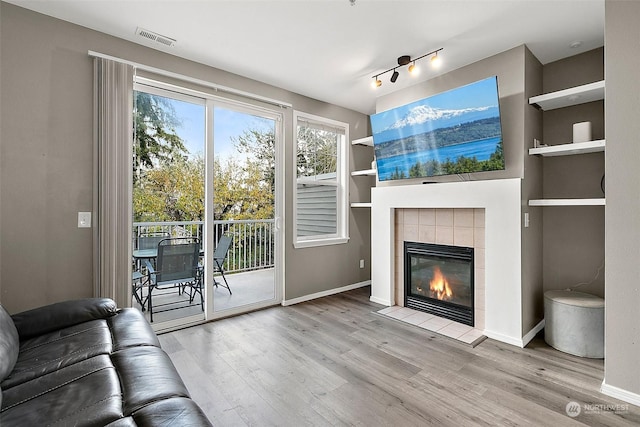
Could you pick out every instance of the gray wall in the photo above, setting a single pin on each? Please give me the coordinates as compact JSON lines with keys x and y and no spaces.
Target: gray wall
{"x":573,"y":236}
{"x":46,"y":162}
{"x":532,"y":294}
{"x":622,"y":277}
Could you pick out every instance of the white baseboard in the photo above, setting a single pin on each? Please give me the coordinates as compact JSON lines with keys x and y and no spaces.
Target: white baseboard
{"x":532,"y":333}
{"x":326,"y":293}
{"x":518,"y":342}
{"x":621,"y":394}
{"x":380,"y":301}
{"x":502,"y":338}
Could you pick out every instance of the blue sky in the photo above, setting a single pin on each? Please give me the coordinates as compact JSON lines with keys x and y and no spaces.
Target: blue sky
{"x":227,"y":125}
{"x":192,"y":126}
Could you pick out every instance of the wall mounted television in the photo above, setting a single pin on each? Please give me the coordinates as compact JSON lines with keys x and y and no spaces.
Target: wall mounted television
{"x":453,"y":132}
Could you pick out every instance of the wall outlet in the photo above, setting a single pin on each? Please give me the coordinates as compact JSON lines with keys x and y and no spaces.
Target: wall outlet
{"x":84,"y":219}
{"x":361,"y":263}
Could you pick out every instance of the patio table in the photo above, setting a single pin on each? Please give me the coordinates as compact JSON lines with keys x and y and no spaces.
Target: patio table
{"x":145,"y":253}
{"x":139,"y":254}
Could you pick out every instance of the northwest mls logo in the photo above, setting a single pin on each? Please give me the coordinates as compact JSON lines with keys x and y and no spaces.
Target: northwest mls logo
{"x":573,"y":409}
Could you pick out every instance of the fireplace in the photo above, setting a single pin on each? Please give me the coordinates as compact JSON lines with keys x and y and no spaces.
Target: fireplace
{"x":438,"y":279}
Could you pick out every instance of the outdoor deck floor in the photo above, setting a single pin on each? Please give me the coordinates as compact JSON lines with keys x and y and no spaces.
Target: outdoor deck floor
{"x":246,"y":287}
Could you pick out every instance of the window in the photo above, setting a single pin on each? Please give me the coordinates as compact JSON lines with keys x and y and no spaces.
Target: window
{"x":321,"y":192}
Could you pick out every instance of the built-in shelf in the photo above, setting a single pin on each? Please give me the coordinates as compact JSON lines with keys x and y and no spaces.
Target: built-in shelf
{"x":368,"y":172}
{"x":569,"y":149}
{"x":567,"y":202}
{"x":368,"y":141}
{"x":568,"y":97}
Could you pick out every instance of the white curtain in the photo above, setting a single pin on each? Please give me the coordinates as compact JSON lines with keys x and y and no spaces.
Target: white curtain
{"x":113,"y":115}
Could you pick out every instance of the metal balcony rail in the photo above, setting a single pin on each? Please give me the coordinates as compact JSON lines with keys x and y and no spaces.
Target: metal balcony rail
{"x":253,"y":240}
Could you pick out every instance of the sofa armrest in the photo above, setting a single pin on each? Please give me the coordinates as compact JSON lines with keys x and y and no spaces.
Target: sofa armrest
{"x":60,"y":315}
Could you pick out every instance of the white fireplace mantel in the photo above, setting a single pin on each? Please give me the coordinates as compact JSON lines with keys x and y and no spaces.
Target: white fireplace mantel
{"x":502,"y":201}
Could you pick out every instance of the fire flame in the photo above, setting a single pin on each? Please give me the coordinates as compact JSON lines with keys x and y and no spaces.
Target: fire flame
{"x":440,"y":286}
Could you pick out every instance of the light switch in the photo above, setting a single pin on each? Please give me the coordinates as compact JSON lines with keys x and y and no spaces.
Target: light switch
{"x":84,"y":219}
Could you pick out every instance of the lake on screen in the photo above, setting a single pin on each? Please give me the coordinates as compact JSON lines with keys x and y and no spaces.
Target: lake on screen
{"x":481,"y":149}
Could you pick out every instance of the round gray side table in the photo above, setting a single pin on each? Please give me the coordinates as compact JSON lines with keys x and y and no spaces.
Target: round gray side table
{"x":574,"y":323}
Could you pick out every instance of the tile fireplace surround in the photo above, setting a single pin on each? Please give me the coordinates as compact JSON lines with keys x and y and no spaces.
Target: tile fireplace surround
{"x":453,"y":227}
{"x":501,"y":202}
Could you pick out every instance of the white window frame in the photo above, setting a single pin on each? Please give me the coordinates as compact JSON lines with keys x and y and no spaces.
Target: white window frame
{"x":341,"y":182}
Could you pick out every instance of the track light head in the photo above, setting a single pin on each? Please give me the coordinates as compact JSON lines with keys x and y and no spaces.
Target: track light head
{"x":436,"y":61}
{"x":394,"y":76}
{"x":376,"y":83}
{"x":413,"y":69}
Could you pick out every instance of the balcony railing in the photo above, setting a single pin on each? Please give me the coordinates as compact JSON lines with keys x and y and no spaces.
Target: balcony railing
{"x":252,"y":247}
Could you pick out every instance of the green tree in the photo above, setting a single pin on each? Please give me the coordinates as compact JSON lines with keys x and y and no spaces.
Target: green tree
{"x":496,"y":161}
{"x":398,"y":174}
{"x":317,"y":151}
{"x":174,"y":191}
{"x":171,"y":192}
{"x":155,"y":123}
{"x":241,"y":191}
{"x":261,"y":145}
{"x":418,"y":170}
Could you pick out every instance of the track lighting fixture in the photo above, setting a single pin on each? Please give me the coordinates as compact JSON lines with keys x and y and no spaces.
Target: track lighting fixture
{"x":413,"y":69}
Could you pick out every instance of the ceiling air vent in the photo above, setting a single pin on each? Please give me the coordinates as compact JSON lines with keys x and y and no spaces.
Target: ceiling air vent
{"x":158,"y":38}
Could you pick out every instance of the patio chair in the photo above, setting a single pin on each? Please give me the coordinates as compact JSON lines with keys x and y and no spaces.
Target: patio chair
{"x":176,"y":267}
{"x":138,"y":282}
{"x":148,"y":240}
{"x":219,"y":256}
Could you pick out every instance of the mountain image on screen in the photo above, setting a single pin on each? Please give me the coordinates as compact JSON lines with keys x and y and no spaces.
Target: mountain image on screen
{"x":454,"y":132}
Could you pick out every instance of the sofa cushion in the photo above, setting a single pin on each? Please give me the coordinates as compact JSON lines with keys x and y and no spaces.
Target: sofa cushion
{"x":8,"y":344}
{"x":49,"y":318}
{"x":83,"y":394}
{"x":147,"y":375}
{"x":177,"y":411}
{"x":130,"y":329}
{"x":46,"y":353}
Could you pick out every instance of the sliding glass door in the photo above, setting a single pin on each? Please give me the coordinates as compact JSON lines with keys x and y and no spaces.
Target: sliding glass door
{"x":244,"y":206}
{"x":206,"y":169}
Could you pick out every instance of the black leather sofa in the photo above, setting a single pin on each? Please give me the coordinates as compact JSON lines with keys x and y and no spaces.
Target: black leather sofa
{"x":88,"y":363}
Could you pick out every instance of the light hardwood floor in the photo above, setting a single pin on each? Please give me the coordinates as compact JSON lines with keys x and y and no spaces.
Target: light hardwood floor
{"x":333,"y":361}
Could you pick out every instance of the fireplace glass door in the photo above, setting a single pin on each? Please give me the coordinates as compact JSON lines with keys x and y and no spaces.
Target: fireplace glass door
{"x":439,"y":280}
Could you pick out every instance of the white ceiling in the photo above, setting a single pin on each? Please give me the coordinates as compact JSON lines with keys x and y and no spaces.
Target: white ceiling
{"x":328,"y":49}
